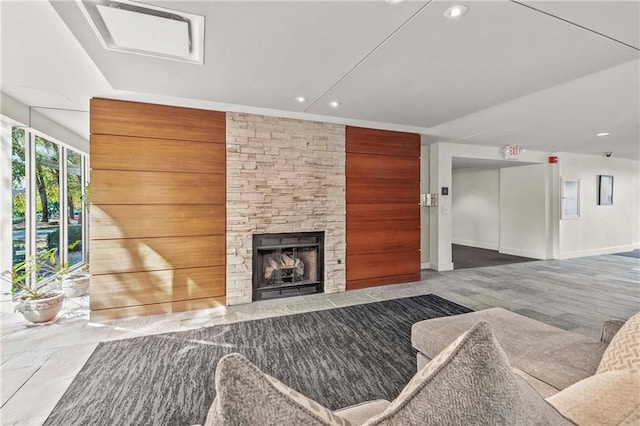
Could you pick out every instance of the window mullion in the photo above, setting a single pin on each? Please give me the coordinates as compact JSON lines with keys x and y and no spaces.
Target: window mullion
{"x":64,"y":206}
{"x":30,"y":200}
{"x":85,"y":208}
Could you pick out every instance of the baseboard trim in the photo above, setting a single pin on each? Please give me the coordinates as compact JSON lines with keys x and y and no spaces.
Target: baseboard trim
{"x":476,"y":244}
{"x":443,"y":268}
{"x":595,"y":252}
{"x":635,"y":246}
{"x":425,"y":265}
{"x":534,"y":254}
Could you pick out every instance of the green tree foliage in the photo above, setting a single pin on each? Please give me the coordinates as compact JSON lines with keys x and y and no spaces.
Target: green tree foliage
{"x":18,"y":171}
{"x":47,"y":178}
{"x":74,"y":183}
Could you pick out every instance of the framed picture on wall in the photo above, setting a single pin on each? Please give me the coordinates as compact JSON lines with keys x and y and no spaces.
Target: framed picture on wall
{"x":570,"y":198}
{"x":605,"y":190}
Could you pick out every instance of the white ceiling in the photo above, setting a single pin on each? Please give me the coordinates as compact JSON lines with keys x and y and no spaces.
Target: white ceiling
{"x":546,"y":75}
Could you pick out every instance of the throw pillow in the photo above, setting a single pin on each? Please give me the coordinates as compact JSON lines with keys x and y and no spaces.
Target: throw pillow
{"x":623,"y":353}
{"x":611,"y":398}
{"x":247,"y":396}
{"x":469,"y":383}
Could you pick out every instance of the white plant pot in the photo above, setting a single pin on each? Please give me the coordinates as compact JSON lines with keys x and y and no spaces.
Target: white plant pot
{"x":42,"y":310}
{"x":76,"y":285}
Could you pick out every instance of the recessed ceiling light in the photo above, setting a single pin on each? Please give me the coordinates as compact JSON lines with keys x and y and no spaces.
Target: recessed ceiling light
{"x":603,"y":134}
{"x":334,"y":104}
{"x":456,"y":11}
{"x":299,"y":99}
{"x":394,"y":2}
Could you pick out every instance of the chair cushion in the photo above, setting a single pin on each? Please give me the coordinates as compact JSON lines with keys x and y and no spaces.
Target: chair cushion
{"x":470,"y":382}
{"x":554,"y":356}
{"x":623,"y":353}
{"x":611,"y":398}
{"x":247,"y":396}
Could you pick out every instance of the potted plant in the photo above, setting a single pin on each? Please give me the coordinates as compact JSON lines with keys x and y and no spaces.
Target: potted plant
{"x":36,"y":303}
{"x":75,"y":283}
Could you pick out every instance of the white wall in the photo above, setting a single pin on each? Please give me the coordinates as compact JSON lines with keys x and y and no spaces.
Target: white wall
{"x":635,"y":204}
{"x":600,"y":229}
{"x":475,"y":208}
{"x":525,"y":210}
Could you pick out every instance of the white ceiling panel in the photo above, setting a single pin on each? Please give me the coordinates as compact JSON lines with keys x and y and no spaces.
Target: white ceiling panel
{"x":497,"y":52}
{"x":261,"y":54}
{"x":616,"y":19}
{"x":564,"y":118}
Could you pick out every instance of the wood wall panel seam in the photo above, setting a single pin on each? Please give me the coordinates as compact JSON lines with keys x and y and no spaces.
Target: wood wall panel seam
{"x":372,"y":154}
{"x":158,"y":171}
{"x":160,"y":303}
{"x":204,"y":142}
{"x":159,"y":270}
{"x":159,"y":308}
{"x":220,"y":234}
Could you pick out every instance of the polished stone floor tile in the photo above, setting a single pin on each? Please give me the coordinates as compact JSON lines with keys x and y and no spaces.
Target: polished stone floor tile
{"x":311,"y":306}
{"x":33,"y":400}
{"x":12,"y":380}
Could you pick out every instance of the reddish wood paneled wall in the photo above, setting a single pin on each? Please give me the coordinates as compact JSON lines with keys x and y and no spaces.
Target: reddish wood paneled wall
{"x":383,"y":213}
{"x":157,"y":218}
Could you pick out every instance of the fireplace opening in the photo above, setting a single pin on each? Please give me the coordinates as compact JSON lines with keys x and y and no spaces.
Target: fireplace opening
{"x":287,"y":264}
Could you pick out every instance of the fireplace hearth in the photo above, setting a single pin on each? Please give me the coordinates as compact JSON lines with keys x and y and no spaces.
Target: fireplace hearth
{"x":287,"y":264}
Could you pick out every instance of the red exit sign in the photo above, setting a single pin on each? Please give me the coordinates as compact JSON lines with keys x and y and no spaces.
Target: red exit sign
{"x":511,"y":152}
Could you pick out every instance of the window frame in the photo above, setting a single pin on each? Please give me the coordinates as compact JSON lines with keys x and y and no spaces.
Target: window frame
{"x":31,"y":199}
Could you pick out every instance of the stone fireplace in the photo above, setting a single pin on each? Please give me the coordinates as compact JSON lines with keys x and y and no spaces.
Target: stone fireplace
{"x":283,"y":176}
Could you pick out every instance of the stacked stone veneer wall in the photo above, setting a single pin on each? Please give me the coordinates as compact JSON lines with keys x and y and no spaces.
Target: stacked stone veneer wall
{"x":283,"y":175}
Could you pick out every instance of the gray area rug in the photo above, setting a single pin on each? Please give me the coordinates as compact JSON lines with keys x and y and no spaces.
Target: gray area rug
{"x":634,"y":253}
{"x":338,"y":357}
{"x":464,"y":257}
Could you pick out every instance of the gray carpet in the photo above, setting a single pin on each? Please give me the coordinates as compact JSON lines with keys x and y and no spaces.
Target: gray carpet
{"x":338,"y":357}
{"x":634,"y":253}
{"x":464,"y":257}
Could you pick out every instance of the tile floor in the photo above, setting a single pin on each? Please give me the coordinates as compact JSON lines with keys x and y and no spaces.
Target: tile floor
{"x":38,"y":362}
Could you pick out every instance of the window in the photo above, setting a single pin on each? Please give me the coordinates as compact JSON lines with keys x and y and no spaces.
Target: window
{"x":48,"y":185}
{"x":47,"y":180}
{"x":75,"y":179}
{"x":570,"y":198}
{"x":19,"y":193}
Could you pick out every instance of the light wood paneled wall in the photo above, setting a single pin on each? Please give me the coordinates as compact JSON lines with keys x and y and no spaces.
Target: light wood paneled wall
{"x":383,"y":215}
{"x":157,"y":219}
